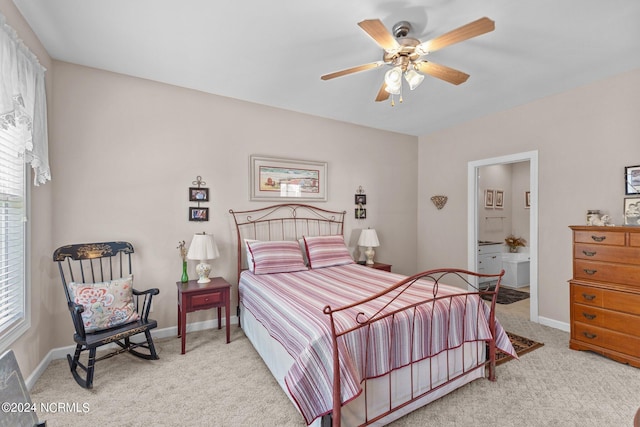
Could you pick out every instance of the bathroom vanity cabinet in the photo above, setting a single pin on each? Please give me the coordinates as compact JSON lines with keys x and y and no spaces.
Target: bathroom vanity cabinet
{"x":489,"y":259}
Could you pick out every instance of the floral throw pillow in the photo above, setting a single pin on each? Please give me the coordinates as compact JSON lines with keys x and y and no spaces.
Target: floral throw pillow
{"x":106,"y":304}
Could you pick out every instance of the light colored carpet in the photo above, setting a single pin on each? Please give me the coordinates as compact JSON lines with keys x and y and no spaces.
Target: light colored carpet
{"x":218,"y":384}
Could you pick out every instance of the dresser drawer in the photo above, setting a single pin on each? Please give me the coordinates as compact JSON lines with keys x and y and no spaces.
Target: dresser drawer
{"x":634,"y":240}
{"x":595,"y":252}
{"x":586,"y":295}
{"x":599,"y":237}
{"x":606,"y":338}
{"x":608,"y":319}
{"x":607,"y":272}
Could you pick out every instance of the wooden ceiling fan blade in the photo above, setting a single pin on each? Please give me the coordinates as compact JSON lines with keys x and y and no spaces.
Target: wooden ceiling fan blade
{"x":352,"y":70}
{"x":376,"y":29}
{"x":383,"y":95}
{"x":442,"y":72}
{"x":472,"y":29}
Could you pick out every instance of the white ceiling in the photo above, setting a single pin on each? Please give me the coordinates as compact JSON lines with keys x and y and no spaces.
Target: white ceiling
{"x":274,"y":52}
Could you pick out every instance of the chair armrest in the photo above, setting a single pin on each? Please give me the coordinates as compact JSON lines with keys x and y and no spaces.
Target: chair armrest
{"x":76,"y":311}
{"x":146,"y":303}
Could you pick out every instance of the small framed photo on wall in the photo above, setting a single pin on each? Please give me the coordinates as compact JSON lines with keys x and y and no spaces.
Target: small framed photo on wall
{"x":198,"y":214}
{"x":488,"y":198}
{"x":499,"y":199}
{"x":197,"y":194}
{"x":361,"y":199}
{"x":360,"y":213}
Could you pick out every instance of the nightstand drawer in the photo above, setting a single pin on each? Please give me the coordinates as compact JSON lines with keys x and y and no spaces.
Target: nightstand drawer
{"x":206,"y":300}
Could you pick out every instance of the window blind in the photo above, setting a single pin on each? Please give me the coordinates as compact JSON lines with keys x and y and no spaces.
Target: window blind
{"x":12,"y":231}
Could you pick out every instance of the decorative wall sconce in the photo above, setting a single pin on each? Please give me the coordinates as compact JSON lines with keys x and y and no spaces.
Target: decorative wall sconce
{"x":439,"y":201}
{"x":360,"y":200}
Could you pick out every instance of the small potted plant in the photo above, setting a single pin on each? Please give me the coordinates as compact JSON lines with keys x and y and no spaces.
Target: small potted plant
{"x":514,"y":242}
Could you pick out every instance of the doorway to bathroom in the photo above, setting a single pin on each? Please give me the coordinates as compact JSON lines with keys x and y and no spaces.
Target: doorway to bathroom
{"x":502,"y":200}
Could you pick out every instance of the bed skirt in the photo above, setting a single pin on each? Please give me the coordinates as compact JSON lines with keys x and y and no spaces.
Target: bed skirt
{"x":279,"y":361}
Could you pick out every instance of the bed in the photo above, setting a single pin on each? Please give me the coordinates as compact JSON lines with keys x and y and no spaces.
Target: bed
{"x":350,"y":344}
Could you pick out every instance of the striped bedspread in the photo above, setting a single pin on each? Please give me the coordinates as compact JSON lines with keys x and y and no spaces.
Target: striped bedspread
{"x":290,"y":306}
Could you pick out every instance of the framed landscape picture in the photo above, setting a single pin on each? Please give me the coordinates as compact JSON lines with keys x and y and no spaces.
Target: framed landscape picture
{"x":499,"y":199}
{"x":280,"y":179}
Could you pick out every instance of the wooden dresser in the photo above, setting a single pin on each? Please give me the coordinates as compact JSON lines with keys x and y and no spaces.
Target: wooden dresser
{"x":605,"y":292}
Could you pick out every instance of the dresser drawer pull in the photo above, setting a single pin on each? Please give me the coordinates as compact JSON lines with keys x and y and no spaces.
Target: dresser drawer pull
{"x":590,"y":272}
{"x":599,"y":238}
{"x":589,"y":335}
{"x":588,"y":297}
{"x":588,"y":253}
{"x":589,"y":316}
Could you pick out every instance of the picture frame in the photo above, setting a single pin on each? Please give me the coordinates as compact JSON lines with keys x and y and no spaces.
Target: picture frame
{"x":198,"y":214}
{"x":277,"y":179}
{"x":360,"y":199}
{"x":360,"y":213}
{"x":198,"y":194}
{"x":527,"y":199}
{"x":632,"y":180}
{"x":488,"y":199}
{"x":499,"y":199}
{"x":631,"y":211}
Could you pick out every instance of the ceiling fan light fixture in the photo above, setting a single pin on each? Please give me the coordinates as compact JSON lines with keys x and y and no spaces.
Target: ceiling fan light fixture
{"x":413,"y":78}
{"x":393,"y":77}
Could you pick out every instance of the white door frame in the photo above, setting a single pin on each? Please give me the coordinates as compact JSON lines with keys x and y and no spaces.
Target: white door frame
{"x":472,"y":217}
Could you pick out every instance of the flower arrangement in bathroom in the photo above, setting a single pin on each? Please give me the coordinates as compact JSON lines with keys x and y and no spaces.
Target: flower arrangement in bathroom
{"x":514,"y":242}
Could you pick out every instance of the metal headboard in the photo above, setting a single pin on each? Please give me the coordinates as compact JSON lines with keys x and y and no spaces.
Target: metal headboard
{"x":288,"y":221}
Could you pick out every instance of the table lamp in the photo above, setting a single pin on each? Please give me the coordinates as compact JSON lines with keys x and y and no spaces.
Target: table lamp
{"x":203,"y":247}
{"x":369,"y":239}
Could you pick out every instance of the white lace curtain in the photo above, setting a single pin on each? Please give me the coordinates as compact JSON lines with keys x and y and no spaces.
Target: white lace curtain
{"x":23,"y":102}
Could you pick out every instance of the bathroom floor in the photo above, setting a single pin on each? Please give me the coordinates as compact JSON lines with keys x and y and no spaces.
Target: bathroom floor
{"x":519,"y":308}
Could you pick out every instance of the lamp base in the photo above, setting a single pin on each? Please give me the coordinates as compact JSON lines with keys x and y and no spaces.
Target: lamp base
{"x":203,"y":270}
{"x":369,"y":253}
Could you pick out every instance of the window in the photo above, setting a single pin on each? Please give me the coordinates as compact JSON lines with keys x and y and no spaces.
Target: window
{"x":13,"y":303}
{"x":23,"y":140}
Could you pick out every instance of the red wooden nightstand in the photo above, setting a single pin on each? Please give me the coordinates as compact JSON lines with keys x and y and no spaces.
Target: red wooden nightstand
{"x":380,"y":266}
{"x":193,"y":296}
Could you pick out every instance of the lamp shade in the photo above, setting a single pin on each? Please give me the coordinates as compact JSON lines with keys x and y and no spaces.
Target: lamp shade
{"x":203,"y":247}
{"x":368,"y":238}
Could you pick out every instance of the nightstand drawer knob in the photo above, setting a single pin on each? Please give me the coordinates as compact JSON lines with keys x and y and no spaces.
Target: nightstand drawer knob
{"x":589,"y":316}
{"x":588,"y":297}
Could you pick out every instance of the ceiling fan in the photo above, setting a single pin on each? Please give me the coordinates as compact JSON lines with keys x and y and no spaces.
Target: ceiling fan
{"x":405,"y":55}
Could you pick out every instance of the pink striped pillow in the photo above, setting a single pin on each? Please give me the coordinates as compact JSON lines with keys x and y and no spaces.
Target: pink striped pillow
{"x":276,"y":257}
{"x":327,"y":251}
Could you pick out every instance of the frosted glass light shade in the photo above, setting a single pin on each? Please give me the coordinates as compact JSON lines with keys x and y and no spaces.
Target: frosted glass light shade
{"x":413,"y":78}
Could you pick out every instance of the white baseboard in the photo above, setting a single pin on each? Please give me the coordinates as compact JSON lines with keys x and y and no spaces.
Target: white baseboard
{"x":563,"y":326}
{"x":172,"y":331}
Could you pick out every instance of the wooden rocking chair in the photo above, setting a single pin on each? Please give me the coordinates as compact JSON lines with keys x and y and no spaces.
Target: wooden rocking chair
{"x":89,"y":271}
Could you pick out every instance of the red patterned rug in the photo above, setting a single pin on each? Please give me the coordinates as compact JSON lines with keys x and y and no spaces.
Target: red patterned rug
{"x":522,"y":346}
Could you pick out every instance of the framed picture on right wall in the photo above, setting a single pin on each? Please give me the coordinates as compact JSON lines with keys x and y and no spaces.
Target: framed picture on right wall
{"x":631,"y":211}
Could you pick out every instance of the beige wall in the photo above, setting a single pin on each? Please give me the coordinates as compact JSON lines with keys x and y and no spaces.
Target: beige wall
{"x":584,"y":137}
{"x":34,"y":345}
{"x":125,"y":150}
